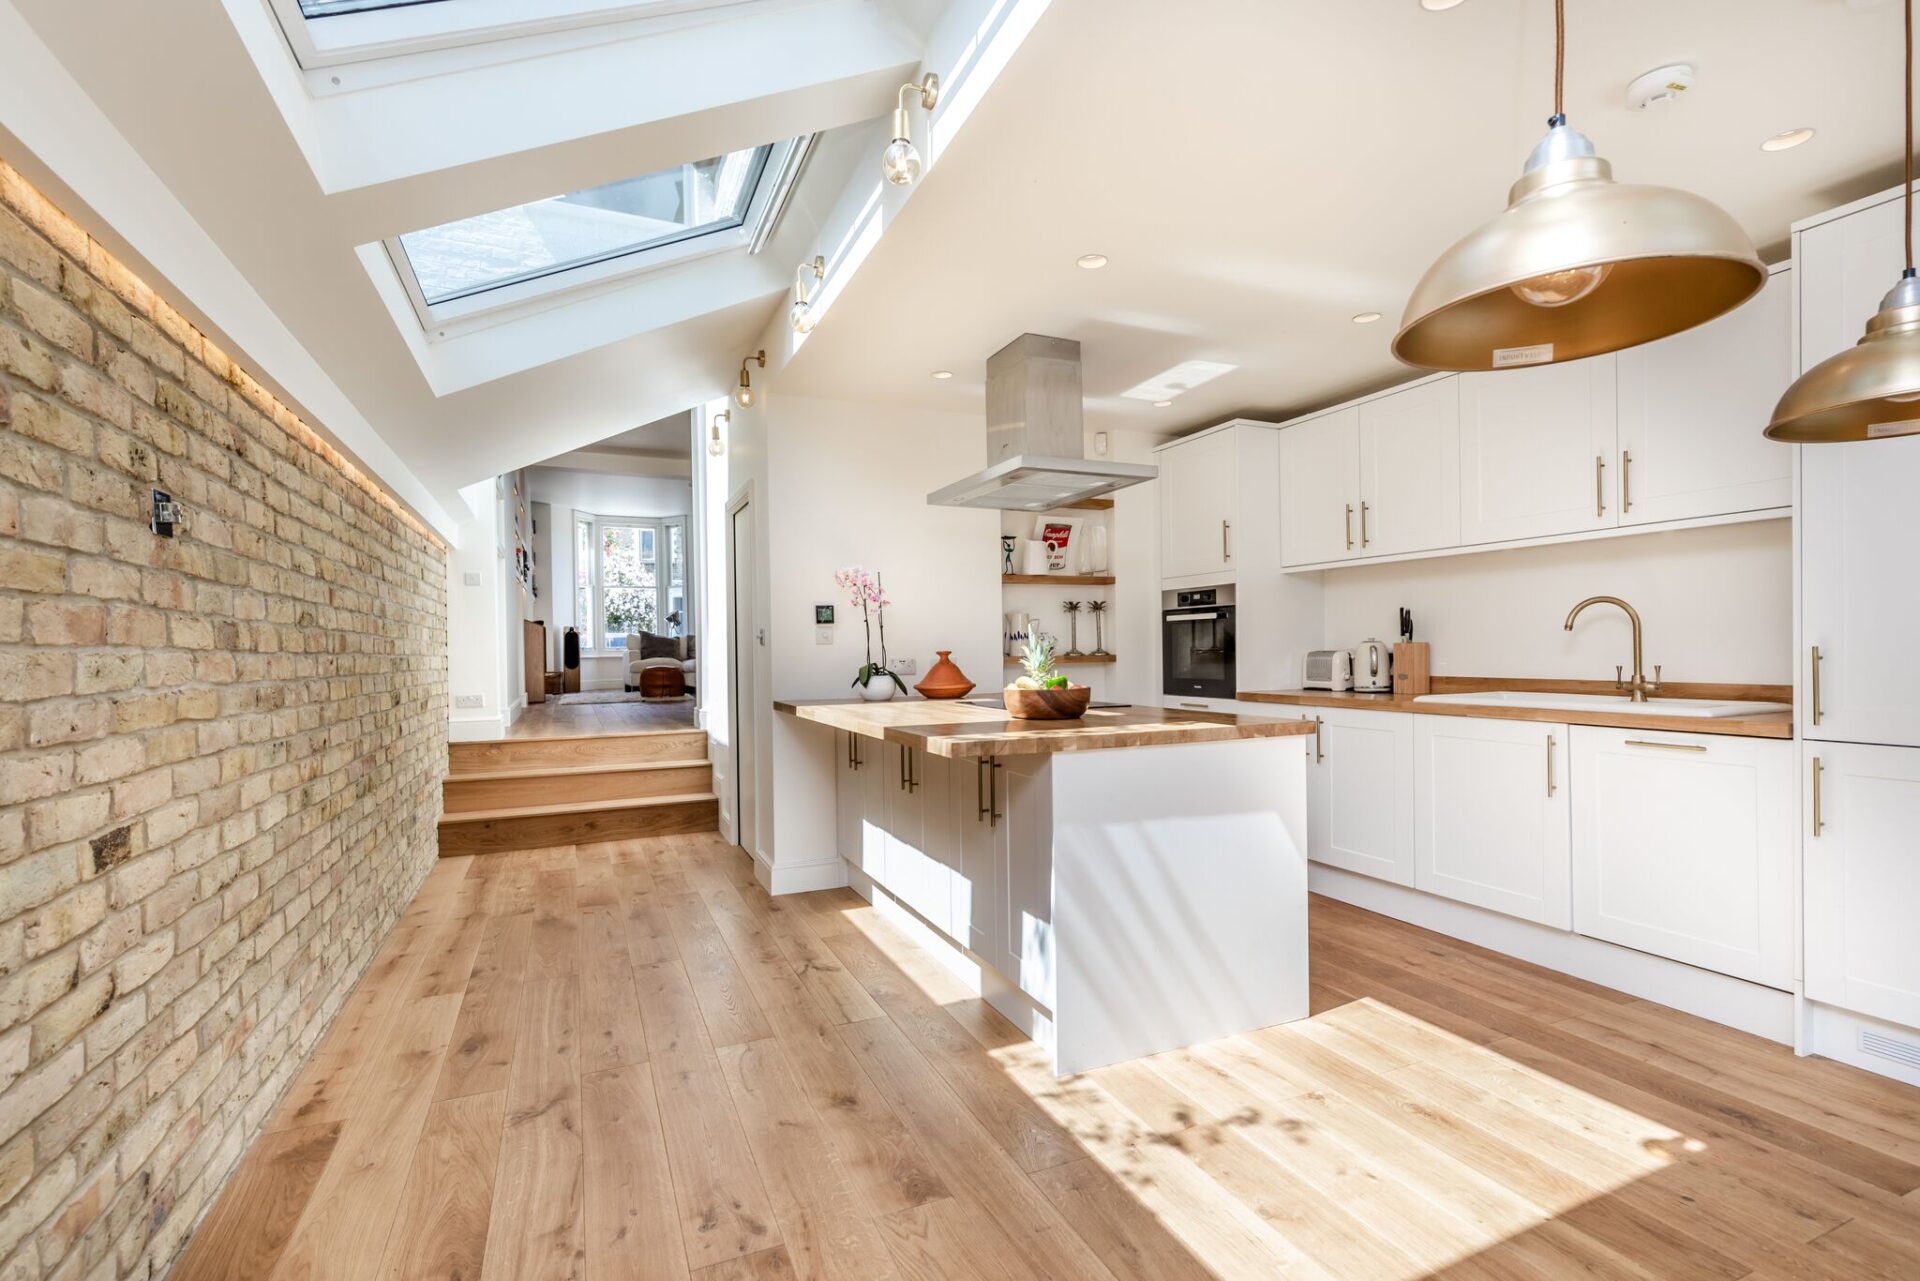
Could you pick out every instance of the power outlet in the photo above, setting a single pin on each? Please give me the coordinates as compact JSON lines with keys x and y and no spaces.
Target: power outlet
{"x":469,"y":700}
{"x":907,"y":666}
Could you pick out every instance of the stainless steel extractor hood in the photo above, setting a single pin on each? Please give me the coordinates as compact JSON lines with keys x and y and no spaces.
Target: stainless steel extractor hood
{"x":1036,"y":458}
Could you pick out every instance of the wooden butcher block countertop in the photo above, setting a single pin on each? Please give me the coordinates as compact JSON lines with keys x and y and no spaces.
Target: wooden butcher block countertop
{"x":1757,"y":725}
{"x":954,"y":729}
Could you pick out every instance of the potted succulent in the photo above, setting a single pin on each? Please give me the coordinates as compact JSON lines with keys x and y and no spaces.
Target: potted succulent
{"x":1042,"y":692}
{"x":876,"y":682}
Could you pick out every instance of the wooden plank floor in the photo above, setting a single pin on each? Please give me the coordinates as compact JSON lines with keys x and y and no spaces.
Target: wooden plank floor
{"x":557,"y":719}
{"x":626,"y":1061}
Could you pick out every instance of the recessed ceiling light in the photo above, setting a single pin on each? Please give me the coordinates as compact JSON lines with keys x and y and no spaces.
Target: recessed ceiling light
{"x":1366,"y":318}
{"x":1092,"y":262}
{"x":1787,"y":140}
{"x":1161,"y":404}
{"x":1439,"y":6}
{"x":943,"y":373}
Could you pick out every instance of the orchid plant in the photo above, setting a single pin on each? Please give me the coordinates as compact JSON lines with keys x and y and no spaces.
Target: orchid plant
{"x":864,"y":589}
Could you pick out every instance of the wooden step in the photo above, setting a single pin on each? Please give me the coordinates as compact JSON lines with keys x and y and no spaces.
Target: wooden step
{"x":584,"y":749}
{"x":532,"y":827}
{"x":556,"y":785}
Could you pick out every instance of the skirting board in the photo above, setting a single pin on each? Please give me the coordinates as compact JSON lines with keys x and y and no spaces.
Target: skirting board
{"x":799,"y":878}
{"x":982,"y":979}
{"x":479,"y":729}
{"x":1763,"y":1011}
{"x":1866,"y":1043}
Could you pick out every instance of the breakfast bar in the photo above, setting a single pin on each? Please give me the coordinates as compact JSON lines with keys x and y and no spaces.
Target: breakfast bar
{"x":1124,"y":883}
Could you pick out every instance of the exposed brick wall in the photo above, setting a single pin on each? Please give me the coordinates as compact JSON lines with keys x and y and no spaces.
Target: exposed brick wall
{"x":220,"y":755}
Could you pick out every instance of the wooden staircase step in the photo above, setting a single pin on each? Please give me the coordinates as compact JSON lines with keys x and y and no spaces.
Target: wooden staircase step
{"x":505,"y":790}
{"x":524,"y":827}
{"x":585,"y":749}
{"x":564,"y":771}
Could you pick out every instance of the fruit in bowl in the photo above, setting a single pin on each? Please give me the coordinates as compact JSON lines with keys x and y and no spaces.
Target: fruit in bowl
{"x":1042,"y":693}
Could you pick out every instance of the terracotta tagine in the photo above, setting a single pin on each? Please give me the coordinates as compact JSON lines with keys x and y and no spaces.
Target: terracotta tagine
{"x":944,"y":679}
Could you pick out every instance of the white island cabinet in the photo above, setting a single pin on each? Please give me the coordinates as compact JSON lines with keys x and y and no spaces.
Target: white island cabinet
{"x":1121,"y":885}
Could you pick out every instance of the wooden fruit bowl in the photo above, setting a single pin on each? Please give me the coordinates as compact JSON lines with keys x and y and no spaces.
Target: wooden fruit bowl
{"x":1066,"y":704}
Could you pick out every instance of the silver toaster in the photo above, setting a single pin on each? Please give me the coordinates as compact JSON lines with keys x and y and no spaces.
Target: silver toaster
{"x":1328,"y":669}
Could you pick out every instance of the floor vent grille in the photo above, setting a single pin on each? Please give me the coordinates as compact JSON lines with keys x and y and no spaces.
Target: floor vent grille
{"x":1896,"y":1048}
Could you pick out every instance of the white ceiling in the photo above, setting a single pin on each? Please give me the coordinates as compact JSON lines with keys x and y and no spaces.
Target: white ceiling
{"x":671,"y":436}
{"x":1259,"y":171}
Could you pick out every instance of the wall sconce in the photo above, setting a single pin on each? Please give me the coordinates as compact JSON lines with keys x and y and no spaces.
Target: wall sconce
{"x":900,"y":162}
{"x":801,"y":316}
{"x":715,"y":445}
{"x":743,"y":395}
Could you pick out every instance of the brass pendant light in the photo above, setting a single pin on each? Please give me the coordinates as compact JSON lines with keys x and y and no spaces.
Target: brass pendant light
{"x":1871,"y":391}
{"x":1577,"y":265}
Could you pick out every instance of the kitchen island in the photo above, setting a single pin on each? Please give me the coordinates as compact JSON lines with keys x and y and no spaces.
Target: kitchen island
{"x":1130,"y":882}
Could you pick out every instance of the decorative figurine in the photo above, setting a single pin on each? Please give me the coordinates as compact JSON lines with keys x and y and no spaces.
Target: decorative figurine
{"x":1073,"y":629}
{"x":1098,"y":608}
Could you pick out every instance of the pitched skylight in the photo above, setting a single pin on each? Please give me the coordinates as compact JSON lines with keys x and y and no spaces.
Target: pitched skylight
{"x":328,"y":8}
{"x":527,"y":242}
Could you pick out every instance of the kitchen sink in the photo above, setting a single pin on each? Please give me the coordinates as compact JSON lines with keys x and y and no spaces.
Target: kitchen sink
{"x":1705,"y":708}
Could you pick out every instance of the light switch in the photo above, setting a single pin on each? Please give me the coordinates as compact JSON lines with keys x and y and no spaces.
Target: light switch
{"x":471,"y":578}
{"x":823,"y":635}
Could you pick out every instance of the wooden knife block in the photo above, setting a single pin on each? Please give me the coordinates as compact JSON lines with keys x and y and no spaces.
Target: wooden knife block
{"x":1412,"y":669}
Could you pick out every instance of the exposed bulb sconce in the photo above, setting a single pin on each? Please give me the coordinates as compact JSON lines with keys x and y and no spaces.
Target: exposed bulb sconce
{"x":900,"y":161}
{"x":743,"y":394}
{"x":715,"y":445}
{"x":801,"y":316}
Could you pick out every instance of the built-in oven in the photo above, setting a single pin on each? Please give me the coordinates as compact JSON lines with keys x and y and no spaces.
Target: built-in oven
{"x":1196,"y":643}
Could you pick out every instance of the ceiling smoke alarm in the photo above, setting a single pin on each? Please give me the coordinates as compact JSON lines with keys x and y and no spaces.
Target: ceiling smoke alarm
{"x":1662,"y":84}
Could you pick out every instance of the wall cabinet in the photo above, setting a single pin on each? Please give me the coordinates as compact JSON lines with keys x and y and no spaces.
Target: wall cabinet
{"x":1199,"y":504}
{"x":1320,"y":489}
{"x":1683,"y":847}
{"x":1491,"y":822}
{"x":1862,"y":876}
{"x":1691,"y":409}
{"x":1536,"y":451}
{"x":1410,"y":469}
{"x":1360,"y":793}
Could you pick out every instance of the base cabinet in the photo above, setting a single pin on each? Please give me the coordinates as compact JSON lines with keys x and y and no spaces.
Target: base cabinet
{"x":1861,"y":851}
{"x":1682,"y":847}
{"x":1360,"y":793}
{"x":1491,"y":824}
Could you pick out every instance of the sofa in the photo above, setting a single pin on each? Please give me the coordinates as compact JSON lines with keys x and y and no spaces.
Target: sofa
{"x":644,"y":650}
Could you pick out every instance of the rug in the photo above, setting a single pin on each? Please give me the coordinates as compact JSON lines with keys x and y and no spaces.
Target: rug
{"x":612,"y":696}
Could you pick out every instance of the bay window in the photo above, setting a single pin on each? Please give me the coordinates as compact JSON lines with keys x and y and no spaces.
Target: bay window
{"x":629,"y":575}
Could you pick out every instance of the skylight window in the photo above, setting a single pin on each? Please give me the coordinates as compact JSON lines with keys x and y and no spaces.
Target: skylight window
{"x":527,"y":242}
{"x":329,"y":8}
{"x":492,"y":261}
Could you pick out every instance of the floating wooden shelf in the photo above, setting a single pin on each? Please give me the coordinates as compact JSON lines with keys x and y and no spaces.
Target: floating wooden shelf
{"x":1062,"y":580}
{"x":1060,"y":659}
{"x":1090,"y":505}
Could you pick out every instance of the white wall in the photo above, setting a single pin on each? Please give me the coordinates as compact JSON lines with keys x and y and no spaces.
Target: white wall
{"x":477,"y":651}
{"x":565,"y":492}
{"x":1717,"y":605}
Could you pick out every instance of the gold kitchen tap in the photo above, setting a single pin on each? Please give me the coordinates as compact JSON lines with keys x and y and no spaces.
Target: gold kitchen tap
{"x":1639,"y":686}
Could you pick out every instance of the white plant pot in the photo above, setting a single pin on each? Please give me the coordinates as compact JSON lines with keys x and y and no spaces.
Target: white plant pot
{"x":879,"y":689}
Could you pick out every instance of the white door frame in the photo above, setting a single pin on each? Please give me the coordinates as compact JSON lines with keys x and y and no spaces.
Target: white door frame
{"x":740,"y":625}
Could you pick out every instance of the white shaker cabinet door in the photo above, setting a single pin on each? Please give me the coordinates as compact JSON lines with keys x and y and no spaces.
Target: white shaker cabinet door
{"x":977,"y":811}
{"x":1360,"y":793}
{"x":1691,"y":412}
{"x":1861,"y":851}
{"x":1491,"y":815}
{"x":917,"y":871}
{"x":1026,"y":875}
{"x":849,"y":797}
{"x":1320,"y":489}
{"x":1537,"y":451}
{"x":1410,"y":470}
{"x":1683,"y":847}
{"x":1860,"y":610}
{"x":1199,"y":489}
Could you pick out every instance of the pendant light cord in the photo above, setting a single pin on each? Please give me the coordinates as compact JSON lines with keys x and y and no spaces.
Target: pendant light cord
{"x":1560,"y":68}
{"x":1909,"y":122}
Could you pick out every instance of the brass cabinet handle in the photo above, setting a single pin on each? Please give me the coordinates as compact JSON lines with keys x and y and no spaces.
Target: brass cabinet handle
{"x":979,"y":789}
{"x":1667,"y":747}
{"x":1349,"y":526}
{"x":1818,"y":823}
{"x":903,"y":769}
{"x":1814,"y":667}
{"x":1364,"y":537}
{"x":1626,"y":482}
{"x":993,"y":813}
{"x":1319,"y":743}
{"x":1551,"y":789}
{"x":1226,"y":548}
{"x":1599,"y":485}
